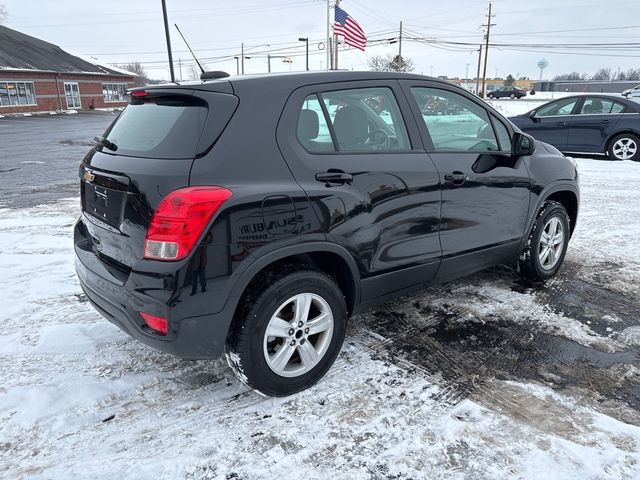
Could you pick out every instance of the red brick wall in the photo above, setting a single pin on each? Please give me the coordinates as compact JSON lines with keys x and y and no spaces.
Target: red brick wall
{"x":47,"y":93}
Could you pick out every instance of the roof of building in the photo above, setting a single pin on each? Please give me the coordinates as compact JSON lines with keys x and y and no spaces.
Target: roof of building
{"x":19,"y":51}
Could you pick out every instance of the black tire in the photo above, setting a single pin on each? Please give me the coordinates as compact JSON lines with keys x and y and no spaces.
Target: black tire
{"x":530,"y":264}
{"x":491,"y":96}
{"x":245,"y":343}
{"x":629,"y":139}
{"x":512,"y":96}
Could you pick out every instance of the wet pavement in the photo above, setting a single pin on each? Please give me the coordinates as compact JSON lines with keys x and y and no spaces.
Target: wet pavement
{"x":39,"y":155}
{"x":470,"y":351}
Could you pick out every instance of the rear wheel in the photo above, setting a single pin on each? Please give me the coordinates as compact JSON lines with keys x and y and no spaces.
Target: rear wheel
{"x":512,"y":96}
{"x":544,"y":252}
{"x":288,"y":330}
{"x":625,"y":146}
{"x":491,"y":96}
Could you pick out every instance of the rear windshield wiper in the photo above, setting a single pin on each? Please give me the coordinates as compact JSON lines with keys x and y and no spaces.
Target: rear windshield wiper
{"x":105,"y":143}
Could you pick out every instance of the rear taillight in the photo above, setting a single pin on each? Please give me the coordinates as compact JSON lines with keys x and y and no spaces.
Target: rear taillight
{"x":140,"y":93}
{"x":155,"y":323}
{"x":179,"y":221}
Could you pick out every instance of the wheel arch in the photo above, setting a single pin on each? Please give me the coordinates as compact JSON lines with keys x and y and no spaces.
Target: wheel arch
{"x":331,"y":258}
{"x":565,"y":193}
{"x":629,"y":131}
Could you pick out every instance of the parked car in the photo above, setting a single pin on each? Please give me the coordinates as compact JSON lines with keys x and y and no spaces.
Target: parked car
{"x":511,"y":92}
{"x":254,"y":215}
{"x":632,"y":92}
{"x":592,"y":123}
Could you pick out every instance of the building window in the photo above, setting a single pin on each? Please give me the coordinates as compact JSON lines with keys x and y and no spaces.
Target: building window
{"x":114,"y":92}
{"x":17,"y":93}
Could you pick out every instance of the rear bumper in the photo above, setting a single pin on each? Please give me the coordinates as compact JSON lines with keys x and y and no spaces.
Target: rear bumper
{"x":198,"y":337}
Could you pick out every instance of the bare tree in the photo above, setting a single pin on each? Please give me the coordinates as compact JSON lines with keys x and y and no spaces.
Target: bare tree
{"x":568,"y":76}
{"x":602,"y":74}
{"x":4,"y":14}
{"x":137,"y":69}
{"x":377,"y":63}
{"x":390,"y":63}
{"x":193,"y":72}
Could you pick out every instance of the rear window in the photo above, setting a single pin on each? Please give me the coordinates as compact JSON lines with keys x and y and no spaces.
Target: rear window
{"x":163,"y":128}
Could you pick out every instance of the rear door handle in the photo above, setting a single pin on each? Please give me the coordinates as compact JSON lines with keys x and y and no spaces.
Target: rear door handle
{"x":562,"y":124}
{"x":457,"y":178}
{"x":334,"y":176}
{"x":604,"y":121}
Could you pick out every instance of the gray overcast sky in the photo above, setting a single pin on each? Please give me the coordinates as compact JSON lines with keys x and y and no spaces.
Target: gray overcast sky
{"x":119,"y":31}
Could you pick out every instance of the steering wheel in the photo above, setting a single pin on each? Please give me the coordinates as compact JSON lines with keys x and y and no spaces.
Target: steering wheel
{"x":378,"y":140}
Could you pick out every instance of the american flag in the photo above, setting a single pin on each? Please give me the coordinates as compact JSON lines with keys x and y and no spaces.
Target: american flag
{"x":349,"y":29}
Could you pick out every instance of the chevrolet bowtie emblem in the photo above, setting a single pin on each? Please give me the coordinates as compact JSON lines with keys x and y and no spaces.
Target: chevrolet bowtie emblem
{"x":88,"y":177}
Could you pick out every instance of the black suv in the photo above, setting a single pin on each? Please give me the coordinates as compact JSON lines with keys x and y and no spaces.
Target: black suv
{"x":253,"y":215}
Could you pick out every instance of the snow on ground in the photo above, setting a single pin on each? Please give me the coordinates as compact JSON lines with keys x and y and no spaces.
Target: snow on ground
{"x":80,"y":399}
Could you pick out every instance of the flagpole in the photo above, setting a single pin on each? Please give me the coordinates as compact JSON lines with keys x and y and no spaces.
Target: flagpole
{"x":335,"y":42}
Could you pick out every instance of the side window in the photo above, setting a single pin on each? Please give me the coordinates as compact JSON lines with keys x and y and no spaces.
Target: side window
{"x":454,"y":122}
{"x":366,"y":119}
{"x":618,"y":107}
{"x":313,"y":131}
{"x":503,"y":135}
{"x":596,"y":106}
{"x":559,"y":107}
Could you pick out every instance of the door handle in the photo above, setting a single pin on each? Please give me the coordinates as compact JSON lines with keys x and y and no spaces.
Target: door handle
{"x":562,"y":124}
{"x":334,"y":176}
{"x":604,"y":122}
{"x":457,"y":178}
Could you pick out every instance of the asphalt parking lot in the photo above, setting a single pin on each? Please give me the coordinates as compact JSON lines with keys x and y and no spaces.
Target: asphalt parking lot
{"x":39,"y":155}
{"x":485,"y":377}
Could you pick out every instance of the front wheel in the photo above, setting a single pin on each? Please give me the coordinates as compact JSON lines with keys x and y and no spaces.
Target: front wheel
{"x":544,"y":252}
{"x":288,"y":330}
{"x":625,"y":146}
{"x":512,"y":96}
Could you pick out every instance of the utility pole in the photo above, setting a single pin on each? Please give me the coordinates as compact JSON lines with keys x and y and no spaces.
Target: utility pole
{"x":269,"y":63}
{"x":328,"y":44}
{"x":466,"y":72}
{"x":400,"y":43}
{"x":242,"y":58}
{"x":237,"y":65}
{"x":166,"y":32}
{"x":478,"y":74}
{"x":180,"y":67}
{"x":486,"y":50}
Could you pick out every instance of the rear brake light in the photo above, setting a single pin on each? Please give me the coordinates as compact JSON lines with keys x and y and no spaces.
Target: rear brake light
{"x":140,"y":93}
{"x":155,"y":323}
{"x":179,"y":220}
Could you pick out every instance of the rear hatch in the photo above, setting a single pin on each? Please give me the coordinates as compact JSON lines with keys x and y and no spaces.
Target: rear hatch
{"x":146,"y":153}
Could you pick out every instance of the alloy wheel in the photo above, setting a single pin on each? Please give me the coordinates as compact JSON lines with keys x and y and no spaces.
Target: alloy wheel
{"x":551,"y":243}
{"x":298,"y":335}
{"x":625,"y":148}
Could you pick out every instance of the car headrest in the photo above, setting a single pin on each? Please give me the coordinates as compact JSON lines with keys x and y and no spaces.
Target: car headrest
{"x":351,"y":126}
{"x":308,"y":124}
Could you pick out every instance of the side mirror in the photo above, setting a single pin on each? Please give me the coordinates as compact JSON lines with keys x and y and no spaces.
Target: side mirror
{"x":523,"y":145}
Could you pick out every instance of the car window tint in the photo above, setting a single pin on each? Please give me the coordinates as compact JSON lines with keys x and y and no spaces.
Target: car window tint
{"x":559,"y":107}
{"x":164,"y":128}
{"x":313,"y":131}
{"x":454,"y":122}
{"x":595,"y":106}
{"x":366,"y":119}
{"x":503,"y":135}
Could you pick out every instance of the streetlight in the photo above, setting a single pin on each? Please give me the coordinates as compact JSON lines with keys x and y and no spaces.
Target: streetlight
{"x":238,"y":64}
{"x":306,"y":41}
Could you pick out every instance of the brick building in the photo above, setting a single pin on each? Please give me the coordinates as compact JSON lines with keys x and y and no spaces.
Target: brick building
{"x":37,"y":76}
